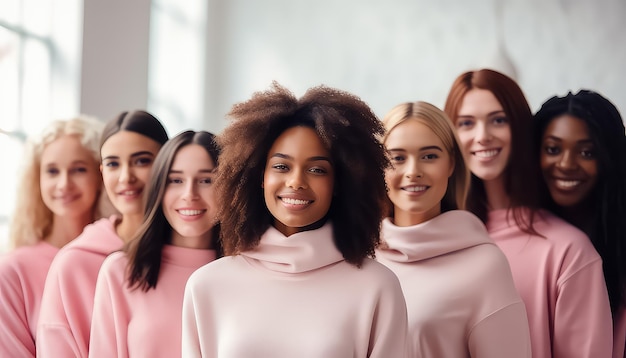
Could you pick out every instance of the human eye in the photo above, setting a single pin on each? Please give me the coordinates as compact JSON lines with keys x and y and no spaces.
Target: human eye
{"x":588,"y":153}
{"x":143,"y":161}
{"x":174,"y":180}
{"x":207,"y":180}
{"x":464,"y":123}
{"x":52,"y":171}
{"x":80,"y":169}
{"x":111,"y":164}
{"x":500,"y":120}
{"x":318,"y":170}
{"x":551,"y":149}
{"x":396,"y":158}
{"x":280,"y":167}
{"x":430,"y":156}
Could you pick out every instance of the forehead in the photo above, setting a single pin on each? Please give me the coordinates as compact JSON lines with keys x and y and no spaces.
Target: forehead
{"x":127,"y":142}
{"x":299,"y":141}
{"x":66,"y":148}
{"x":193,"y":156}
{"x":479,"y":101}
{"x":567,"y":127}
{"x":412,"y":133}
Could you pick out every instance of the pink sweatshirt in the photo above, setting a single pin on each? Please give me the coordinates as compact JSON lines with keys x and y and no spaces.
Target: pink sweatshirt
{"x":293,"y":297}
{"x":560,"y":279}
{"x":460,"y":295}
{"x":22,"y":276}
{"x":619,"y":334}
{"x":65,"y":318}
{"x":134,"y":323}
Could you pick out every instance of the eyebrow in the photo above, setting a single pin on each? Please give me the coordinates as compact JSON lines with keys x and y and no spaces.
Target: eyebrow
{"x":209,"y":171}
{"x":311,"y":159}
{"x":429,"y":147}
{"x":488,"y":114}
{"x":136,"y":154}
{"x":559,"y":139}
{"x":72,"y":163}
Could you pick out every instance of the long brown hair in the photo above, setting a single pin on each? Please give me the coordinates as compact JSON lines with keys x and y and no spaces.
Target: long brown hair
{"x":522,"y":175}
{"x":144,"y":250}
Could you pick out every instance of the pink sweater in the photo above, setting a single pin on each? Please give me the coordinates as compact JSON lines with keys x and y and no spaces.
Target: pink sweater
{"x":22,"y":276}
{"x":134,"y":323}
{"x":293,"y":297}
{"x":561,"y":281}
{"x":65,"y":318}
{"x":460,"y":295}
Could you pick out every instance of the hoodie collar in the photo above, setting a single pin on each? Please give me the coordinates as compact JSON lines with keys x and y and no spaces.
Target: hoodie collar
{"x":300,"y":252}
{"x":448,"y":232}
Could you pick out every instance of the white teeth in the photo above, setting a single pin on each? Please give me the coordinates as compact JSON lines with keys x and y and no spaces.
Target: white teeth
{"x":190,"y":212}
{"x":130,"y":192}
{"x":294,"y":201}
{"x":486,"y":153}
{"x":567,"y":183}
{"x":414,"y":188}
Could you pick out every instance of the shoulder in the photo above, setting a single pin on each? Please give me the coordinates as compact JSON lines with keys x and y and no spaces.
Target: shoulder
{"x":376,"y":273}
{"x":563,"y":235}
{"x":114,"y":263}
{"x":222,"y":269}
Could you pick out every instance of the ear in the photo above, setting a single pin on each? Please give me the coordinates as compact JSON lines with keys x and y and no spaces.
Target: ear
{"x":452,"y":166}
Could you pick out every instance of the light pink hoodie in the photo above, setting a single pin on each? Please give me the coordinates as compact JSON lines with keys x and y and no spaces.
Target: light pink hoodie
{"x":130,"y":322}
{"x":67,"y":304}
{"x":22,"y":276}
{"x":293,"y":297}
{"x":460,"y":295}
{"x":560,"y":279}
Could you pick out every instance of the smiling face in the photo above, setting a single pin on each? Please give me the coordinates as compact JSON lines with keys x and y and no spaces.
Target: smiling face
{"x":69,"y":178}
{"x":188,"y":201}
{"x":127,"y":158}
{"x":485,"y":134}
{"x":418,"y":178}
{"x":298,"y":180}
{"x":568,"y":160}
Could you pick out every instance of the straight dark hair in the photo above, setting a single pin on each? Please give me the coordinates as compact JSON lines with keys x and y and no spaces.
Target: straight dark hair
{"x":144,"y":250}
{"x":607,"y":213}
{"x":137,"y":121}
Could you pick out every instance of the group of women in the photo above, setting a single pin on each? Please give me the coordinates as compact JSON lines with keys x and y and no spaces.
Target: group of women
{"x":310,"y":228}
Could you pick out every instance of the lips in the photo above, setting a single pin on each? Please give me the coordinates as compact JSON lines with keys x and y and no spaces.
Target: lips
{"x":191,"y":212}
{"x":487,"y":153}
{"x":65,"y":199}
{"x":566,"y":184}
{"x":414,"y":188}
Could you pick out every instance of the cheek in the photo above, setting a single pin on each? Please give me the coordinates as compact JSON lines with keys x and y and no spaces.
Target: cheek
{"x":143,"y":174}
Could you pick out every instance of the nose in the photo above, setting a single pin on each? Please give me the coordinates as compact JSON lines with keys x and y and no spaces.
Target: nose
{"x":296,"y":180}
{"x":566,"y":161}
{"x":483,"y":133}
{"x":127,"y":174}
{"x":413,"y":168}
{"x":64,"y":181}
{"x":191,"y":192}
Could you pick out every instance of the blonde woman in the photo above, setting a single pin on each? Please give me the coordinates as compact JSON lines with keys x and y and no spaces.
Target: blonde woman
{"x":58,"y":196}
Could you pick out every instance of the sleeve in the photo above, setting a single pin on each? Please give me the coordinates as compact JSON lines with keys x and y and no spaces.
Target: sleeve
{"x":582,"y":319}
{"x":16,"y":339}
{"x":504,"y":333}
{"x":190,"y":332}
{"x":110,"y":319}
{"x":388,"y":336}
{"x":61,"y":330}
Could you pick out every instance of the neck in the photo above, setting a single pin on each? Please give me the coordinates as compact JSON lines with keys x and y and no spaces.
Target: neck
{"x":127,"y":227}
{"x":497,"y":197}
{"x":204,"y":242}
{"x":65,"y":230}
{"x":407,"y":218}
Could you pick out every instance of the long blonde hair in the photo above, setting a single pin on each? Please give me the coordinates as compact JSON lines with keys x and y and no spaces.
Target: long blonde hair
{"x":32,"y":220}
{"x":437,"y":121}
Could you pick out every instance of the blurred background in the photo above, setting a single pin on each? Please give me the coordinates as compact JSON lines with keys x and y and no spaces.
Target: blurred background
{"x":189,"y":61}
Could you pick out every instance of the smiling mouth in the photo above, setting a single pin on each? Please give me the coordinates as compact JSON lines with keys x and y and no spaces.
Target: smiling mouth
{"x":292,"y":201}
{"x":566,"y":184}
{"x":189,"y":212}
{"x":486,"y":153}
{"x":129,"y":193}
{"x":414,"y":188}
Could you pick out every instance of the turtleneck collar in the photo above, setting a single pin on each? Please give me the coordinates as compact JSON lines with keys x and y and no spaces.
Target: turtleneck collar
{"x":448,"y":232}
{"x":300,"y":252}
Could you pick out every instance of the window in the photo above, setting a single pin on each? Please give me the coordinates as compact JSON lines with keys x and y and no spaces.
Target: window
{"x":38,"y":80}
